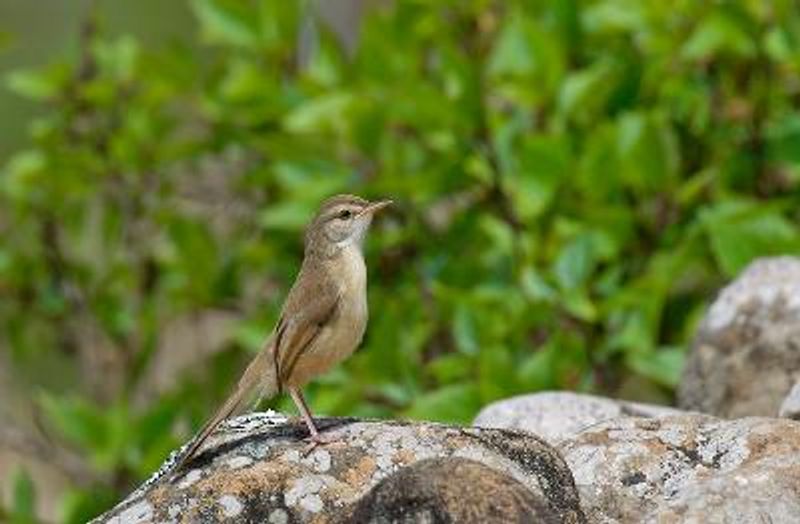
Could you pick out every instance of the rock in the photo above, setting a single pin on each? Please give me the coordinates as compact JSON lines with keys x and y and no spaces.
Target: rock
{"x":560,"y":414}
{"x":790,"y":407}
{"x":450,"y":490}
{"x":636,"y":463}
{"x":746,"y":355}
{"x":254,"y":469}
{"x":690,"y":468}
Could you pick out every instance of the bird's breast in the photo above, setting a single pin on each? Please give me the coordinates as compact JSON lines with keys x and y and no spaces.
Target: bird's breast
{"x":353,"y":312}
{"x":343,"y":333}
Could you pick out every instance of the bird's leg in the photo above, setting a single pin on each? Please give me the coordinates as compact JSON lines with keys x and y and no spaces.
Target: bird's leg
{"x":302,"y":407}
{"x":314,"y":436}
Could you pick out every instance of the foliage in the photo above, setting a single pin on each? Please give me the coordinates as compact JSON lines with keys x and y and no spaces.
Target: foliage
{"x":574,"y":181}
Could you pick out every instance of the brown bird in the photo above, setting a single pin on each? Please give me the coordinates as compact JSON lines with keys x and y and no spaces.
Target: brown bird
{"x":322,"y":321}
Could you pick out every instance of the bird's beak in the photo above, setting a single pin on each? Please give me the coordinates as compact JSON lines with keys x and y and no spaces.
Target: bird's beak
{"x":374,"y":207}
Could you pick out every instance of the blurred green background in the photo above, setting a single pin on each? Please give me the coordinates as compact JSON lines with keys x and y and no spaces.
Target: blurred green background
{"x":575,"y":180}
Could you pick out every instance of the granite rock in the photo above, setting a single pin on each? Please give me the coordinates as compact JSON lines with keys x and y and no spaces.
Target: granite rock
{"x":746,"y":355}
{"x":255,"y":469}
{"x":689,"y":468}
{"x":555,"y":415}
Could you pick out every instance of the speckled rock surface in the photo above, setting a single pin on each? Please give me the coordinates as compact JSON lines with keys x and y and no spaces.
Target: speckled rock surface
{"x":555,"y":415}
{"x":254,"y":470}
{"x":746,"y":355}
{"x":688,"y":469}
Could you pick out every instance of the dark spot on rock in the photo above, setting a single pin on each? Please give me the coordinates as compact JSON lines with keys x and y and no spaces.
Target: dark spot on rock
{"x":259,"y":507}
{"x":534,"y":456}
{"x":634,"y":478}
{"x":450,"y":490}
{"x":716,"y":460}
{"x":691,"y":455}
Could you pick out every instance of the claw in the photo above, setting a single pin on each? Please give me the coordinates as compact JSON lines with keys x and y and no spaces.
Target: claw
{"x":314,"y":441}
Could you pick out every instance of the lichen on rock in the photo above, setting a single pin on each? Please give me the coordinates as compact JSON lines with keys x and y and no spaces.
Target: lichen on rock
{"x":688,"y":468}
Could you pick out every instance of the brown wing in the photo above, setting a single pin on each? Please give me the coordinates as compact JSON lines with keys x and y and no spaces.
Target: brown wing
{"x":310,"y":305}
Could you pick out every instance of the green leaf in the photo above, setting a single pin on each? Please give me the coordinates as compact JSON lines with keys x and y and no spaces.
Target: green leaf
{"x":648,"y":150}
{"x":451,"y":368}
{"x":35,"y":85}
{"x":537,"y":371}
{"x":560,"y":363}
{"x":329,"y":112}
{"x":524,"y":50}
{"x":778,"y":45}
{"x":454,"y":403}
{"x":244,"y":83}
{"x":578,"y":304}
{"x":584,"y":94}
{"x":740,"y":232}
{"x":119,"y":57}
{"x":663,"y":365}
{"x":535,"y":286}
{"x":496,"y":377}
{"x":514,"y":51}
{"x":250,"y":335}
{"x":80,"y":422}
{"x":23,"y":498}
{"x":307,"y":185}
{"x":615,"y":15}
{"x":286,"y":216}
{"x":575,"y":262}
{"x":464,"y":330}
{"x":719,"y":33}
{"x":81,"y":506}
{"x":540,"y":166}
{"x":783,"y":140}
{"x":155,"y":424}
{"x":23,"y":174}
{"x":226,"y":22}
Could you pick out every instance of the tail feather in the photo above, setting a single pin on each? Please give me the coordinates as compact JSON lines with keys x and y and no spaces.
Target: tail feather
{"x":258,"y":380}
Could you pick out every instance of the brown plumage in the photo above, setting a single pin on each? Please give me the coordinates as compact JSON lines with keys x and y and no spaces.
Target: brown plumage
{"x":322,"y":321}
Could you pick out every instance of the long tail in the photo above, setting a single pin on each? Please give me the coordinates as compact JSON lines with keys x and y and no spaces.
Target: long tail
{"x":258,"y":380}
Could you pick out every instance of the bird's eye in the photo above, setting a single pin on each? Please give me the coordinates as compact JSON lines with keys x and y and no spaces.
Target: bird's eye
{"x":345,"y":214}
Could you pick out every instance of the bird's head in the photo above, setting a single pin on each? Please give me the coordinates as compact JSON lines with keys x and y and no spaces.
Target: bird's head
{"x":341,"y":221}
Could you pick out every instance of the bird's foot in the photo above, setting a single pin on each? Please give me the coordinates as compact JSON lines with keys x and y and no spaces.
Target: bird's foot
{"x":314,"y":441}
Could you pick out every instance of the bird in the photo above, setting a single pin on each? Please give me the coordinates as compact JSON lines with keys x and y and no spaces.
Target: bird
{"x":322,"y":321}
